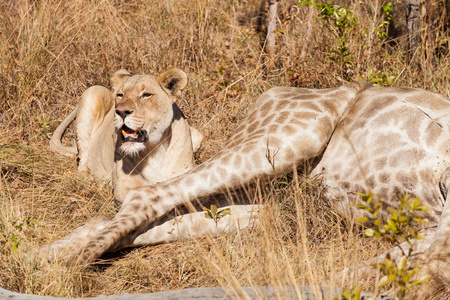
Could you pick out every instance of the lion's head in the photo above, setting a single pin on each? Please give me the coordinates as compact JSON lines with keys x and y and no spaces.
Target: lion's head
{"x":144,"y":107}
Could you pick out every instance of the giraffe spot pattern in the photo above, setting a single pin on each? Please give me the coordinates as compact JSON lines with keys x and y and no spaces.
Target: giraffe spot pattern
{"x":329,"y":108}
{"x":299,"y":123}
{"x":305,"y":116}
{"x":252,"y":127}
{"x":309,"y":106}
{"x":267,"y":120}
{"x":282,"y":105}
{"x":267,"y":107}
{"x":289,"y":154}
{"x":371,"y":183}
{"x":304,"y":97}
{"x":293,"y":105}
{"x":237,"y":162}
{"x":135,"y":206}
{"x":282,"y":118}
{"x":225,"y":159}
{"x":408,"y":181}
{"x":433,"y":133}
{"x":288,"y":130}
{"x":253,"y":117}
{"x":247,"y":148}
{"x":152,"y":199}
{"x":384,"y":178}
{"x":256,"y":159}
{"x":273,"y":128}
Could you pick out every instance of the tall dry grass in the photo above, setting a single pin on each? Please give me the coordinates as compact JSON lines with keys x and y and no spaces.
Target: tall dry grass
{"x":51,"y":51}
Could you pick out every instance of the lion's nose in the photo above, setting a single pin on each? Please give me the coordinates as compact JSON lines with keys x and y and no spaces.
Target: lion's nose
{"x":123,"y":113}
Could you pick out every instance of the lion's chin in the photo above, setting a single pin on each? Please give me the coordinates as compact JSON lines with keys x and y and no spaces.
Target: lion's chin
{"x":132,"y":141}
{"x":132,"y":148}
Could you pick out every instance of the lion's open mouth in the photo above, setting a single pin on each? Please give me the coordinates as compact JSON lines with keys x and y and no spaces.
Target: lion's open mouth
{"x":130,"y":135}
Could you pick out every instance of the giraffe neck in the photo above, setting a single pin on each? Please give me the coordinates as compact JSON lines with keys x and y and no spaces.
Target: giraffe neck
{"x":256,"y":150}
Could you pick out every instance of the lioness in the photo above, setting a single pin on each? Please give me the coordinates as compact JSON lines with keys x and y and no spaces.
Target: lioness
{"x":134,"y":140}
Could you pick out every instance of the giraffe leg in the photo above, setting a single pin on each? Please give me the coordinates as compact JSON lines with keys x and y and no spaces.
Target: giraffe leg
{"x":437,"y":258}
{"x":439,"y":251}
{"x":420,"y":247}
{"x":431,"y":254}
{"x":73,"y":241}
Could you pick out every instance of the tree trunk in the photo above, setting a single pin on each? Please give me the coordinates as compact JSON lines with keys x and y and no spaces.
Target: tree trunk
{"x":413,"y":21}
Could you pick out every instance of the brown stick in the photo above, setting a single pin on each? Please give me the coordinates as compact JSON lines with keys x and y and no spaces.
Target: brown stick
{"x":308,"y":34}
{"x":231,"y":42}
{"x":271,"y":26}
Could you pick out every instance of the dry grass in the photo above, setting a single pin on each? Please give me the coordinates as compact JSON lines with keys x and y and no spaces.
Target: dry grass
{"x":51,"y":51}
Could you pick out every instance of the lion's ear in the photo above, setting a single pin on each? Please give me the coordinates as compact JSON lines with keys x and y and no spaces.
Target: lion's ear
{"x":118,"y":78}
{"x":174,"y":80}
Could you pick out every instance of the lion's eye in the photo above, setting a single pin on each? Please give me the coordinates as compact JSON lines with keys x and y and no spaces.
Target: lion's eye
{"x":120,"y":95}
{"x":146,"y":95}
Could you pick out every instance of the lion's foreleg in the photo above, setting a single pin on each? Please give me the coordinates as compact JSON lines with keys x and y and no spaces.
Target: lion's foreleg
{"x":196,"y":137}
{"x":198,"y":224}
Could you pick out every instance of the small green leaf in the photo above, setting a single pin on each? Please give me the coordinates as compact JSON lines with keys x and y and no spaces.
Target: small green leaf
{"x":377,"y":222}
{"x":346,"y":294}
{"x":208,"y":213}
{"x":421,"y":280}
{"x":369,"y":232}
{"x":213,"y":209}
{"x":362,"y":219}
{"x":357,"y":293}
{"x":401,"y":263}
{"x":392,"y":225}
{"x":383,"y":281}
{"x":422,"y":208}
{"x":420,"y":220}
{"x":362,"y":206}
{"x":224,"y":212}
{"x":415,"y":203}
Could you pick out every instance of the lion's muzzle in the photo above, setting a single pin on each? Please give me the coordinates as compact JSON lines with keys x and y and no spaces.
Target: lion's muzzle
{"x":130,"y":135}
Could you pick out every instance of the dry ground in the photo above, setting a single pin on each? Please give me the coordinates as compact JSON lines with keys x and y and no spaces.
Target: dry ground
{"x":51,"y":51}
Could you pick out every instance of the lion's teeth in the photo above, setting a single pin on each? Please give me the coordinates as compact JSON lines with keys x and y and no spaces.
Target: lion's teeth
{"x":134,"y":134}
